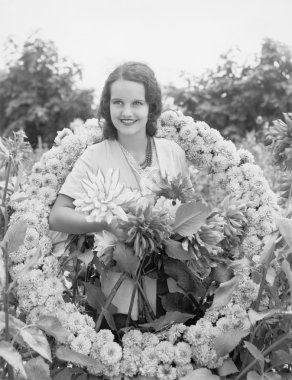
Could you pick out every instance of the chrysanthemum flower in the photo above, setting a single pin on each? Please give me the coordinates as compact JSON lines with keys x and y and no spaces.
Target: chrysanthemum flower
{"x":105,"y":197}
{"x":132,"y":338}
{"x":165,"y":352}
{"x":175,"y":332}
{"x":166,"y":372}
{"x":31,"y":239}
{"x":182,"y":353}
{"x":81,"y":345}
{"x":182,"y":371}
{"x":110,"y":353}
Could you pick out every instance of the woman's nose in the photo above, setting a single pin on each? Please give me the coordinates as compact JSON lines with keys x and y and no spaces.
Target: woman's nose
{"x":127,"y":110}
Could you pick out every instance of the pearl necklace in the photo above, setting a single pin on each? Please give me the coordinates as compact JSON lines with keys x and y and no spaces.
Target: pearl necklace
{"x":148,"y":159}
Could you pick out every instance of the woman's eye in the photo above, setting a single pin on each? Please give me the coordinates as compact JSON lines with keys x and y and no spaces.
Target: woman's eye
{"x":117,"y":102}
{"x":138,"y":103}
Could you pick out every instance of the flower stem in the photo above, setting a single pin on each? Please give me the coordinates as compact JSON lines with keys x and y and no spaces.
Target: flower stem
{"x":266,"y":352}
{"x":109,"y":300}
{"x":131,"y":303}
{"x":6,"y":181}
{"x":6,"y":294}
{"x":150,"y":310}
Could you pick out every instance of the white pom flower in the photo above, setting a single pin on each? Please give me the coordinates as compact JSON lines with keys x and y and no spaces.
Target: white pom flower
{"x":182,"y":353}
{"x":81,"y":345}
{"x":62,"y":134}
{"x":31,"y":239}
{"x":166,"y":372}
{"x":50,"y":180}
{"x":110,"y":353}
{"x":47,"y":195}
{"x":165,"y":352}
{"x":132,"y":338}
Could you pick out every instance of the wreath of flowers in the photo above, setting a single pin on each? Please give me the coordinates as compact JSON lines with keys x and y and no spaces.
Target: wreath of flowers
{"x":40,"y":291}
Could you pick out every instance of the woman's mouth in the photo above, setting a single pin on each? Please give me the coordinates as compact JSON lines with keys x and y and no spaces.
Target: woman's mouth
{"x":128,"y":121}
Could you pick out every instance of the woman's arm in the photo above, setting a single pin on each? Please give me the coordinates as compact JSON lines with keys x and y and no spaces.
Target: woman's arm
{"x":64,"y":218}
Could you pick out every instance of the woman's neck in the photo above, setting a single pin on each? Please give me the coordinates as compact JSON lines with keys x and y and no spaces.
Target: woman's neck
{"x":136,"y":145}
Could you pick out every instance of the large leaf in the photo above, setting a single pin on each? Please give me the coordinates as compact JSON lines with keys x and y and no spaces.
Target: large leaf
{"x":288,"y":272}
{"x":269,"y":248}
{"x":228,"y":367}
{"x":37,"y":369}
{"x":224,"y":293}
{"x":2,"y":271}
{"x":125,"y":259}
{"x":256,"y":353}
{"x":67,"y":355}
{"x":190,"y":217}
{"x":200,"y":374}
{"x":37,"y":340}
{"x":14,"y":236}
{"x":15,"y":324}
{"x":227,"y":341}
{"x":96,"y":299}
{"x":67,"y":373}
{"x":177,"y":302}
{"x":168,"y":319}
{"x":285,"y":227}
{"x":53,"y":327}
{"x":9,"y":353}
{"x":179,"y":271}
{"x":174,"y":249}
{"x":281,"y":357}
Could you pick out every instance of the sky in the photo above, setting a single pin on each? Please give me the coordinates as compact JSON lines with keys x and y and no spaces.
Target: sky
{"x":170,"y":35}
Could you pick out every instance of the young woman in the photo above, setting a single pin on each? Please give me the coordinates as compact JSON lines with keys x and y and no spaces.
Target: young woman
{"x":130,"y":106}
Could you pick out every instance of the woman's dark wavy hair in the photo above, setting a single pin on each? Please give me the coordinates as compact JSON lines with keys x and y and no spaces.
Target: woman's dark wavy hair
{"x":135,"y":72}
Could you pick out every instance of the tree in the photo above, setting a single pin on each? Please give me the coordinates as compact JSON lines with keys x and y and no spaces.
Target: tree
{"x":235,"y":97}
{"x":38,"y":91}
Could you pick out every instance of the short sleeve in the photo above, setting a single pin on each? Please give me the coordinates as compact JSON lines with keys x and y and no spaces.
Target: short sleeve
{"x":86,"y":162}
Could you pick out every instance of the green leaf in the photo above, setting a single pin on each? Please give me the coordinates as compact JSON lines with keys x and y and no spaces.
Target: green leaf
{"x":66,"y":373}
{"x":168,"y":319}
{"x":9,"y":353}
{"x":285,"y":227}
{"x":200,"y":374}
{"x":272,"y":376}
{"x":227,"y":341}
{"x":228,"y":367}
{"x":37,"y":369}
{"x":2,"y":271}
{"x":125,"y":259}
{"x":67,"y":355}
{"x":287,"y":270}
{"x":37,"y":340}
{"x":256,"y":353}
{"x":14,"y":236}
{"x":175,"y":250}
{"x":281,"y":357}
{"x":15,"y":324}
{"x":269,"y":248}
{"x":254,"y":316}
{"x":177,"y":302}
{"x":53,"y":327}
{"x":190,"y":217}
{"x":224,"y":293}
{"x":253,"y":375}
{"x":179,"y":271}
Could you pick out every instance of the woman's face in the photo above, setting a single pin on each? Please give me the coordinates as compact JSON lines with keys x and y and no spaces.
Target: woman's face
{"x":128,"y":108}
